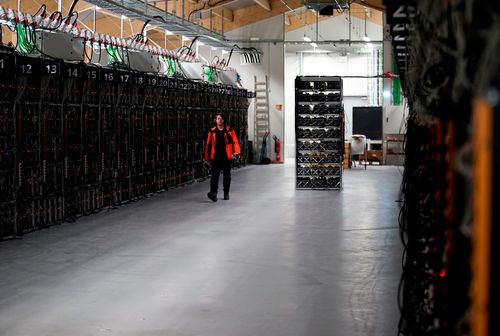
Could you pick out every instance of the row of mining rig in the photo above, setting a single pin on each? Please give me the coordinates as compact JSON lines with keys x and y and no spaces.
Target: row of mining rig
{"x":449,"y":285}
{"x":76,"y":138}
{"x":319,"y":132}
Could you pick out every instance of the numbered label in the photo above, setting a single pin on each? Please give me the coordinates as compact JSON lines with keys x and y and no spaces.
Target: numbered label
{"x":163,"y":81}
{"x":51,"y":69}
{"x":152,"y":81}
{"x":92,"y":74}
{"x":108,"y":76}
{"x":6,"y":62}
{"x":26,"y":69}
{"x":124,"y":78}
{"x":139,"y":80}
{"x":72,"y":72}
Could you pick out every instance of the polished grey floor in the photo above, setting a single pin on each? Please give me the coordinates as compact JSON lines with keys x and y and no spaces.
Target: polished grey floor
{"x":272,"y":261}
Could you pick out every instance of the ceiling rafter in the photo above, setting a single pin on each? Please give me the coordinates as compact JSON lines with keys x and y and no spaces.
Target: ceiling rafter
{"x":307,"y":17}
{"x":288,"y":22}
{"x":264,"y":4}
{"x":374,"y":4}
{"x":226,"y":14}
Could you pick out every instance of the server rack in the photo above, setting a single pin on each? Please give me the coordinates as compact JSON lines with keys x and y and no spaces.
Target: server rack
{"x":319,"y":130}
{"x":75,"y":138}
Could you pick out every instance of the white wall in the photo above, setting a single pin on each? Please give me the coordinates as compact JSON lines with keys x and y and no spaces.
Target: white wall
{"x":303,"y":64}
{"x":282,"y":67}
{"x":272,"y":65}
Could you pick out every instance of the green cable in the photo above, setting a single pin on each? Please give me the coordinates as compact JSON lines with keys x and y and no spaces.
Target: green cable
{"x":171,"y":67}
{"x":23,"y":45}
{"x":113,"y":55}
{"x":209,"y":74}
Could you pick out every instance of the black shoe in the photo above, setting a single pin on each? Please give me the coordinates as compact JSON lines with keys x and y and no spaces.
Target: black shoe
{"x":212,"y":196}
{"x":226,"y":196}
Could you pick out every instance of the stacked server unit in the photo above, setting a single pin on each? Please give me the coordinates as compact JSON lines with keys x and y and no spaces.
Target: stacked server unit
{"x":76,"y":138}
{"x":319,"y":118}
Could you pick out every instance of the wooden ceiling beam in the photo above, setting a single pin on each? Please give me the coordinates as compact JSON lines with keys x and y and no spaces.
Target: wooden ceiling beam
{"x":288,"y":22}
{"x":255,"y":13}
{"x":374,"y":4}
{"x":357,"y":11}
{"x":264,"y":4}
{"x":226,"y":14}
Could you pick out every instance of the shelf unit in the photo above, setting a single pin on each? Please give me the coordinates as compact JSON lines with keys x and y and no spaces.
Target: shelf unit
{"x":319,"y":130}
{"x":394,"y":149}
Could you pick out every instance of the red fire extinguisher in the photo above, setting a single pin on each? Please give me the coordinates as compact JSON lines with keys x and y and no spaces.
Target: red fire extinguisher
{"x":277,"y":148}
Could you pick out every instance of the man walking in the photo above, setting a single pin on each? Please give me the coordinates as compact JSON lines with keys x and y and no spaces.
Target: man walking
{"x":221,"y":147}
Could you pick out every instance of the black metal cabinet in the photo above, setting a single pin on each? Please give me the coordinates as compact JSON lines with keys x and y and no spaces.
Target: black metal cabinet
{"x":319,"y":130}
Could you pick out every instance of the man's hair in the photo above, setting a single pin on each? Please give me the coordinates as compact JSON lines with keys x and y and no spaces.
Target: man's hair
{"x":222,"y":115}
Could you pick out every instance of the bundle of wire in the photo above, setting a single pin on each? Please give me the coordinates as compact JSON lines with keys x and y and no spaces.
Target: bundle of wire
{"x":250,"y":55}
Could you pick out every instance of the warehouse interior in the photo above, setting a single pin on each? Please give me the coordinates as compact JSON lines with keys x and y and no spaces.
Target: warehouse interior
{"x":360,"y":137}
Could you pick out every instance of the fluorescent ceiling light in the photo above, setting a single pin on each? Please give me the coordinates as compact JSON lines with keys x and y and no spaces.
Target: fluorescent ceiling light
{"x":316,"y":51}
{"x":366,"y":38}
{"x":314,"y":45}
{"x":168,"y":32}
{"x":307,"y":39}
{"x":254,"y":38}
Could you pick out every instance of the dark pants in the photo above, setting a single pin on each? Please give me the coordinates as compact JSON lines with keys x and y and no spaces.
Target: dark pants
{"x":217,"y":167}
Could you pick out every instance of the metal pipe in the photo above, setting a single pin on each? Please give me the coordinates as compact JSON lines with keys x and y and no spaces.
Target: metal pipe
{"x":350,"y":28}
{"x":303,"y":42}
{"x":211,"y":21}
{"x":222,"y":23}
{"x":95,"y":17}
{"x":217,"y":6}
{"x":121,"y":26}
{"x":317,"y":26}
{"x":135,"y":9}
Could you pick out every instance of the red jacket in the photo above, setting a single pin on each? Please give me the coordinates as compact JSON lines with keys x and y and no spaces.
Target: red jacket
{"x":230,"y":138}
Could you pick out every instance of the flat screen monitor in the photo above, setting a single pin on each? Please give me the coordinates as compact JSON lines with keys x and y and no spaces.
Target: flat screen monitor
{"x":367,"y":121}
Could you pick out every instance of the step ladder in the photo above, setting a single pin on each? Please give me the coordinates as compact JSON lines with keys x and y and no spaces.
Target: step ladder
{"x":262,"y":124}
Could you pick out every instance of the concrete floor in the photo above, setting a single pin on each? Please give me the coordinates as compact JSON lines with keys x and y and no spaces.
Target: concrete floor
{"x":272,"y":261}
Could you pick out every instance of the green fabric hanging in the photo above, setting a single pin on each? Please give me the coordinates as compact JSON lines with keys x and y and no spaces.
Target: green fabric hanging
{"x":396,"y":86}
